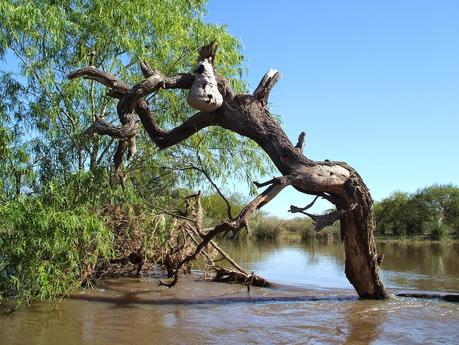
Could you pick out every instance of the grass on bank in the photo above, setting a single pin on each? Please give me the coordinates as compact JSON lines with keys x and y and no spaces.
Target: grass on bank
{"x":265,"y":227}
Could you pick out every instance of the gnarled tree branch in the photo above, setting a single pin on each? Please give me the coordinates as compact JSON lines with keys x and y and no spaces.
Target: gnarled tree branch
{"x":163,"y":138}
{"x":103,"y":127}
{"x":113,"y":83}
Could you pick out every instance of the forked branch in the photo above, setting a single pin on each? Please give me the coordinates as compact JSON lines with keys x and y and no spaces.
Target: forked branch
{"x":266,"y":84}
{"x":324,"y":220}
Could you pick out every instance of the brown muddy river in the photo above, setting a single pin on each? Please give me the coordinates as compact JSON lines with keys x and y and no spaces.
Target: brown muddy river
{"x":313,"y":304}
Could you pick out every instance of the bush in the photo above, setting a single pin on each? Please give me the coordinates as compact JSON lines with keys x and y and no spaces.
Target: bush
{"x":296,"y":229}
{"x":330,"y":233}
{"x":265,"y":227}
{"x":437,"y":230}
{"x":48,"y":252}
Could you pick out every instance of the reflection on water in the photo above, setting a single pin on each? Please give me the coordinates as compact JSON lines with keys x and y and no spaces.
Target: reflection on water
{"x":418,"y":265}
{"x":321,"y":266}
{"x":408,"y":265}
{"x":314,"y":310}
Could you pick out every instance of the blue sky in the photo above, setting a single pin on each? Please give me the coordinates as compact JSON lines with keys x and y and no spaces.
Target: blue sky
{"x":375,"y":84}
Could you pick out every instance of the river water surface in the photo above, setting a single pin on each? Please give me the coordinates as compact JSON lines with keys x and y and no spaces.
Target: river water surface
{"x":312,"y":303}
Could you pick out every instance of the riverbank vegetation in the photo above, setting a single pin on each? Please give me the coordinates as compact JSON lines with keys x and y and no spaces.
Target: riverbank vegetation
{"x":267,"y":227}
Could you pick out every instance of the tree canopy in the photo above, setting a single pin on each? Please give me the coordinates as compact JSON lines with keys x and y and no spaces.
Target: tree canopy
{"x":43,"y":114}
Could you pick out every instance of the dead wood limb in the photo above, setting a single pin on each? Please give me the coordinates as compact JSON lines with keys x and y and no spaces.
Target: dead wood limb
{"x":300,"y":144}
{"x":208,"y":52}
{"x":118,"y":160}
{"x":163,"y":138}
{"x":103,"y":127}
{"x":266,"y":183}
{"x":190,"y":231}
{"x":146,"y":69}
{"x":295,"y":209}
{"x":322,"y":221}
{"x":199,"y":231}
{"x":266,"y":84}
{"x":192,"y":228}
{"x":223,"y":274}
{"x":117,"y":86}
{"x":197,"y":212}
{"x":227,"y":257}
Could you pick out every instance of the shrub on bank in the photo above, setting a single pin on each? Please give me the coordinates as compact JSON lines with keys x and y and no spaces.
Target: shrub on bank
{"x":47,"y":252}
{"x":437,"y":230}
{"x":263,"y":227}
{"x":67,"y":235}
{"x":329,"y":233}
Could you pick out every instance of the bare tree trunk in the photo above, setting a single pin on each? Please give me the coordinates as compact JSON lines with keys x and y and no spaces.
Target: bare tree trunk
{"x":248,"y":115}
{"x":94,"y":152}
{"x":18,"y":185}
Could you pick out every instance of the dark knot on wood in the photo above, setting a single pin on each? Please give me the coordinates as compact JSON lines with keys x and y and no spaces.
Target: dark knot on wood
{"x":208,"y":52}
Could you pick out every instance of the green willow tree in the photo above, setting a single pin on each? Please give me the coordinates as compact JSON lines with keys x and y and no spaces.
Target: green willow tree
{"x":52,"y":174}
{"x":44,"y":40}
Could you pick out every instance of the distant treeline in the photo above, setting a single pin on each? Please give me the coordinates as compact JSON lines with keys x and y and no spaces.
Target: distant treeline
{"x":431,"y":213}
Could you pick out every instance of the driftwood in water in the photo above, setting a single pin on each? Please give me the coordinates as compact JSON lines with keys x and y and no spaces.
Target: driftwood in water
{"x":223,"y":274}
{"x":249,"y":116}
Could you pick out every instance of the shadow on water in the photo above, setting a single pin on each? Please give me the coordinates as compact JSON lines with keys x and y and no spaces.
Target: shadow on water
{"x":194,"y":291}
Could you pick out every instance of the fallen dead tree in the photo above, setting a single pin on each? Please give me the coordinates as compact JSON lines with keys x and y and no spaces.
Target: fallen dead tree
{"x":249,"y":116}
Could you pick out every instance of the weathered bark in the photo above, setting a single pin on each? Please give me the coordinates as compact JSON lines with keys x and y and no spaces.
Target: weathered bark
{"x":248,"y":115}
